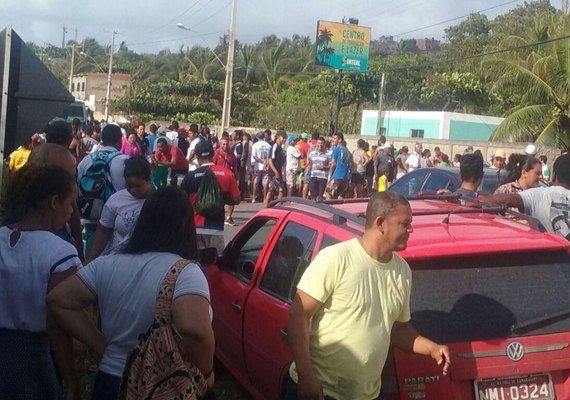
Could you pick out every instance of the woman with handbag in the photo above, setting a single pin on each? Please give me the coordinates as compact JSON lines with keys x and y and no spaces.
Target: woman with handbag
{"x":151,"y":291}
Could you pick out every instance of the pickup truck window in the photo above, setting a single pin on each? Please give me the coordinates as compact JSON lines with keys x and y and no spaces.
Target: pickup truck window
{"x":289,"y":258}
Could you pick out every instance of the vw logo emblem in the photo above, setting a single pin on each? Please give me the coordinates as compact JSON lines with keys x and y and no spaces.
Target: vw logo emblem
{"x":515,"y":351}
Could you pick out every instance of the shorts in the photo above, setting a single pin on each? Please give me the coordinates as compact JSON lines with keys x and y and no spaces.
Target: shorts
{"x":260,"y":177}
{"x":338,"y":187}
{"x":276,"y":185}
{"x":317,"y":187}
{"x":292,"y":177}
{"x":358,"y":178}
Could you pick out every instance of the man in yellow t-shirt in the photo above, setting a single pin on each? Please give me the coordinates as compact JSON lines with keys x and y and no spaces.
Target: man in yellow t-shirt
{"x":352,"y":299}
{"x":19,"y":158}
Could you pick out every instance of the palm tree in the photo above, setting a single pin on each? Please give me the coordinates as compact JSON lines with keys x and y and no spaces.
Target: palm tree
{"x":540,"y":77}
{"x":323,"y":41}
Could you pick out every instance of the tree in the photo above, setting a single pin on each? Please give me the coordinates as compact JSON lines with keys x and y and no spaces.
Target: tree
{"x":539,"y":76}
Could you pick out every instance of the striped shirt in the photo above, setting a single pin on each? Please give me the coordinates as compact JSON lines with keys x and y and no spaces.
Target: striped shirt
{"x":316,"y":158}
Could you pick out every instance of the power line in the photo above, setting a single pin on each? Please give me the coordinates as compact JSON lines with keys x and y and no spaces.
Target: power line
{"x":175,"y":39}
{"x":170,"y":22}
{"x":212,"y":16}
{"x":456,"y":18}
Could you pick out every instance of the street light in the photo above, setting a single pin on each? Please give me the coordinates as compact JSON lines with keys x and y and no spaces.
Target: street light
{"x":182,"y":26}
{"x":229,"y":66}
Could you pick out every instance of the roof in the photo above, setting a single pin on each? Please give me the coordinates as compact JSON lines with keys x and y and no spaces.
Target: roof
{"x":447,"y":229}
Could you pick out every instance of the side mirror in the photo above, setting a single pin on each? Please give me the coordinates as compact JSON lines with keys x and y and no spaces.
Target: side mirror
{"x":247,"y":268}
{"x":208,"y":256}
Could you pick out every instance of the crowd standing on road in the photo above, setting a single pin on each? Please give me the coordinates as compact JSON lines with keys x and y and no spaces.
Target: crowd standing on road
{"x":136,"y":207}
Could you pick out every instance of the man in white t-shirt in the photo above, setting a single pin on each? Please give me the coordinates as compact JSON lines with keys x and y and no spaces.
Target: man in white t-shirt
{"x":549,"y":205}
{"x":193,"y":139}
{"x":292,"y":165}
{"x":260,"y":152}
{"x":415,"y":158}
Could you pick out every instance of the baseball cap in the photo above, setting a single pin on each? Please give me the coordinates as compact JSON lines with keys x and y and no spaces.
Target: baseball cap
{"x":501,"y":153}
{"x":204,"y":149}
{"x":304,"y":135}
{"x":291,"y":138}
{"x":162,"y":130}
{"x":531,"y":150}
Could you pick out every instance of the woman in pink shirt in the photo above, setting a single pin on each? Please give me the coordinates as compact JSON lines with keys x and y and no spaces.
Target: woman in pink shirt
{"x":131,"y":146}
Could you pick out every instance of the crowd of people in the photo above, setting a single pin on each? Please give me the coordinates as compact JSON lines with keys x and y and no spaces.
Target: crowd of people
{"x":136,"y":207}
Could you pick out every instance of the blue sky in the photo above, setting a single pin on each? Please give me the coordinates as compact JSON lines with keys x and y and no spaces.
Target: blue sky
{"x":150,"y":25}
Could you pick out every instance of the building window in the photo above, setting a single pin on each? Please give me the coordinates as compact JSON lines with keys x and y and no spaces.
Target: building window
{"x":382,"y":131}
{"x":83,"y":89}
{"x":417,"y":133}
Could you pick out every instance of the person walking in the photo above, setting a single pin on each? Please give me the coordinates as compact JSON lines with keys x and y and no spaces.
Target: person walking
{"x":113,"y":161}
{"x":203,"y":181}
{"x":125,"y":287}
{"x":352,"y":303}
{"x":225,"y":158}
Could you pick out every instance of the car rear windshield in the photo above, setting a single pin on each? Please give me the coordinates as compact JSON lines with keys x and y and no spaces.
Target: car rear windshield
{"x":492,"y":296}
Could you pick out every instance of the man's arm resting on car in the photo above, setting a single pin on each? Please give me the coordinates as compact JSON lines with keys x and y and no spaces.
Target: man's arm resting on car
{"x":405,"y":337}
{"x":512,"y":200}
{"x":302,"y":310}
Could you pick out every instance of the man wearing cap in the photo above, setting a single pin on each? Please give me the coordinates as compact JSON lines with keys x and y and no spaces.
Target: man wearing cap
{"x":550,"y":205}
{"x":293,"y":165}
{"x":499,"y":159}
{"x":171,"y":156}
{"x":210,"y":229}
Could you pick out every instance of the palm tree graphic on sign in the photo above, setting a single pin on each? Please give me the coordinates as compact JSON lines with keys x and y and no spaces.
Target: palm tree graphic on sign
{"x":324,"y":50}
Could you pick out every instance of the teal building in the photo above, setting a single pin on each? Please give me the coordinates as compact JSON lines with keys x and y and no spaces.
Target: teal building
{"x":430,"y":125}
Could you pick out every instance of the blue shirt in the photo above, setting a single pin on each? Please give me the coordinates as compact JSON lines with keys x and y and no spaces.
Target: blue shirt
{"x":341,"y":158}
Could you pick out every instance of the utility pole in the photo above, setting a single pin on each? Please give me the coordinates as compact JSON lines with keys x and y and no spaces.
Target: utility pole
{"x":338,"y":88}
{"x":380,"y":100}
{"x":63,"y":39}
{"x":72,"y":66}
{"x":226,"y":111}
{"x":108,"y":96}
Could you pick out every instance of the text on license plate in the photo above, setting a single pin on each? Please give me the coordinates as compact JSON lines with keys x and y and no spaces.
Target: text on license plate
{"x":532,"y":387}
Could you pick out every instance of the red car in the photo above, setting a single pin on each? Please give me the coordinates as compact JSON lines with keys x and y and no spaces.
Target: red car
{"x":495,"y":290}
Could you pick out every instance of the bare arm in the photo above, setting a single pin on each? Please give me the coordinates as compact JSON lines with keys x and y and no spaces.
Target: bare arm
{"x":76,"y":231}
{"x":513,"y":200}
{"x":62,"y":343}
{"x":405,"y":337}
{"x":191,"y":316}
{"x":271,"y":165}
{"x":302,"y":310}
{"x":67,"y":303}
{"x":99,"y":242}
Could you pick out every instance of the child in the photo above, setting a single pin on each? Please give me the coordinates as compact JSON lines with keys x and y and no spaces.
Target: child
{"x":383,"y":182}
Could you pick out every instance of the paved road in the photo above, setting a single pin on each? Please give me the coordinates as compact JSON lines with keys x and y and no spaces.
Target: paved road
{"x":242,"y":213}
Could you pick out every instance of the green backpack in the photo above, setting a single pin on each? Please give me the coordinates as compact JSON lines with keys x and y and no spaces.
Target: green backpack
{"x":209,"y":198}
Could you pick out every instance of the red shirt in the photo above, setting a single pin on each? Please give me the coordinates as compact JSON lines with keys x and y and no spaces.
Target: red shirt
{"x":174,"y":154}
{"x":226,"y":160}
{"x":229,"y":188}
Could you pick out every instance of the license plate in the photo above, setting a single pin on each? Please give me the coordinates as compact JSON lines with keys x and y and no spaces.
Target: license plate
{"x":532,"y":387}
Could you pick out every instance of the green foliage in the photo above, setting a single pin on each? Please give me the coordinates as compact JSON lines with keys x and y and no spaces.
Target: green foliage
{"x":276,"y":81}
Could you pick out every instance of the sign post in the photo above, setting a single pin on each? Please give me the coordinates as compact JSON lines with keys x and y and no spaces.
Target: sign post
{"x":344,"y":47}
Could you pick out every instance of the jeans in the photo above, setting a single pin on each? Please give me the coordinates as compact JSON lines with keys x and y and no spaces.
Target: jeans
{"x":291,"y":392}
{"x":106,"y":386}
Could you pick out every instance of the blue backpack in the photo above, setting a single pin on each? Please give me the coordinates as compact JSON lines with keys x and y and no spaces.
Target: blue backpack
{"x":95,"y":186}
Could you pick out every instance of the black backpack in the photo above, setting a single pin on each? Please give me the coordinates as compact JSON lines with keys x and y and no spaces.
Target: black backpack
{"x":95,"y":186}
{"x":209,"y":198}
